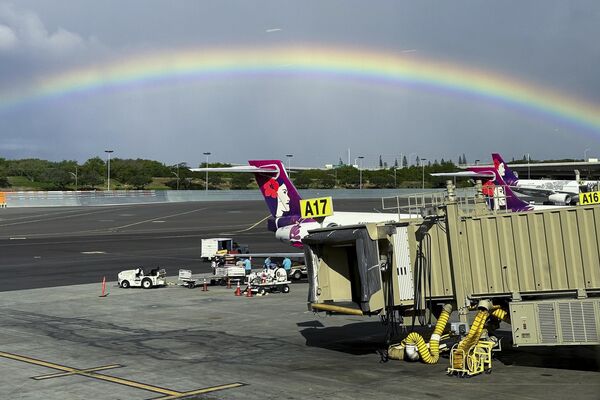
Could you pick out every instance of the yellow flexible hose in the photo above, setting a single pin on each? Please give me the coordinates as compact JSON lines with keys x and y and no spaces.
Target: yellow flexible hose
{"x":430,"y":355}
{"x":471,"y":338}
{"x":501,"y":315}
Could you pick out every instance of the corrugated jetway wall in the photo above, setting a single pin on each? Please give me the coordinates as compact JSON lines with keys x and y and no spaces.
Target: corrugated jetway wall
{"x":513,"y":255}
{"x":526,"y":254}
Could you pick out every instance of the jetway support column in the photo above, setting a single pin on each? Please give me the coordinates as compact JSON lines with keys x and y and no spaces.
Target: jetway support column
{"x":455,"y":253}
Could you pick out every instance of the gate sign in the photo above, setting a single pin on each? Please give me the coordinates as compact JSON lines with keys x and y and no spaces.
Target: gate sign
{"x":314,"y":208}
{"x":589,"y":198}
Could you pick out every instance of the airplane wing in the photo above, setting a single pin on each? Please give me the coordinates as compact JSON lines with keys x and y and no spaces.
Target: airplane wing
{"x":241,"y":168}
{"x":467,"y":174}
{"x":535,"y":192}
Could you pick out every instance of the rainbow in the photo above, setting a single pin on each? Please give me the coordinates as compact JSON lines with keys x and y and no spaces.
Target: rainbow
{"x":404,"y":70}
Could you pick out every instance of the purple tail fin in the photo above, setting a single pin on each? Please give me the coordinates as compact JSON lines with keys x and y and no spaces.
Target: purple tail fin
{"x":513,"y":202}
{"x":280,"y":194}
{"x":504,"y":171}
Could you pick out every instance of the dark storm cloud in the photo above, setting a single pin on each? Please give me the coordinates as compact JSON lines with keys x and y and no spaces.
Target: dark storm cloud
{"x":548,"y":43}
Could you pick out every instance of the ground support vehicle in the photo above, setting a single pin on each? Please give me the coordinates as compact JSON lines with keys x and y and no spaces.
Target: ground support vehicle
{"x":139,"y":278}
{"x":213,"y":247}
{"x":220,"y":277}
{"x":298,"y":272}
{"x":234,"y":273}
{"x":185,"y":278}
{"x":268,"y":281}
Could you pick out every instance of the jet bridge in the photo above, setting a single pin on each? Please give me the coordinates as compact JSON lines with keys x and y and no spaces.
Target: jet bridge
{"x":543,"y":267}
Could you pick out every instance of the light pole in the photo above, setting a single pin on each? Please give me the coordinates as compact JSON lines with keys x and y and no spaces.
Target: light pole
{"x":289,"y":157}
{"x":423,"y":169}
{"x":528,"y":167}
{"x":207,"y":153}
{"x":108,"y":180}
{"x":75,"y":176}
{"x":585,"y":154}
{"x":360,"y":172}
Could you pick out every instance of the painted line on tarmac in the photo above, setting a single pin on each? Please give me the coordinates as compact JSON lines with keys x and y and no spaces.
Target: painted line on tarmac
{"x":89,"y":373}
{"x":79,"y":371}
{"x":204,"y":390}
{"x":159,"y":218}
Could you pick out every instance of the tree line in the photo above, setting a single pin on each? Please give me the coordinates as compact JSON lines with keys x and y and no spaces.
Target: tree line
{"x":141,"y":174}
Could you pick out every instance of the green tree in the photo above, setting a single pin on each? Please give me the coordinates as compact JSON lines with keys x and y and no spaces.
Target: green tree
{"x":347,"y":176}
{"x":3,"y":173}
{"x":132,"y":172}
{"x":92,"y":173}
{"x":56,"y":179}
{"x":240,"y":181}
{"x":31,"y":168}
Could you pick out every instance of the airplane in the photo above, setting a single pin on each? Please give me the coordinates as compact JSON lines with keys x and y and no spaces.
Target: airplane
{"x":283,"y":201}
{"x":558,"y":192}
{"x":496,"y":190}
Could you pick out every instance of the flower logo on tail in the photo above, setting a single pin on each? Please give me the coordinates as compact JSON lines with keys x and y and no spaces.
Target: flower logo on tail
{"x":270,"y":188}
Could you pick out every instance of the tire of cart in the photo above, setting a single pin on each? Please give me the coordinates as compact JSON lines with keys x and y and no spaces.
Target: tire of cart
{"x":146,"y":283}
{"x":285,"y":289}
{"x":125,"y":284}
{"x":297,"y":275}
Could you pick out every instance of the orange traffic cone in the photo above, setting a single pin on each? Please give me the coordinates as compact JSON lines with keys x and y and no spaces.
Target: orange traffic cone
{"x":205,"y":286}
{"x":238,"y":291}
{"x":249,"y":291}
{"x":104,"y":294}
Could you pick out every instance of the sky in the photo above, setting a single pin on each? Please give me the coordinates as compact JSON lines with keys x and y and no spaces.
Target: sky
{"x":171,"y":80}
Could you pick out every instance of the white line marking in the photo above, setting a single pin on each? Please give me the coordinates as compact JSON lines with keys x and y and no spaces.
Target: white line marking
{"x":18,"y":238}
{"x":93,"y":252}
{"x":158,"y":218}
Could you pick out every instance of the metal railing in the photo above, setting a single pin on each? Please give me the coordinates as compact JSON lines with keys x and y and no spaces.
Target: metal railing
{"x":426,"y":203}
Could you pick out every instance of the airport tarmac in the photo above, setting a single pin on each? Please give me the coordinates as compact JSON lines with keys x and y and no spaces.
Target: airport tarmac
{"x":66,"y":342}
{"x":44,"y":247}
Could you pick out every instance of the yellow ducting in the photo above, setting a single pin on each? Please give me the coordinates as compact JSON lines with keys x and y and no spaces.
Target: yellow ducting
{"x":336,"y":309}
{"x":501,"y":314}
{"x":471,"y":339}
{"x":431,"y":354}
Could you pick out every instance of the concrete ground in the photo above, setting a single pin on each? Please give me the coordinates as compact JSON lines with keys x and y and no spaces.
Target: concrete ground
{"x":164,"y":343}
{"x":174,"y":342}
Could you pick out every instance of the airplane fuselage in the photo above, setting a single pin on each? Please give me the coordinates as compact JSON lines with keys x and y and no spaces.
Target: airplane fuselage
{"x":293,"y":234}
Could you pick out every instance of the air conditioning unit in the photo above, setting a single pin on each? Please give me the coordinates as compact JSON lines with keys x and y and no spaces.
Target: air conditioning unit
{"x":555,"y":322}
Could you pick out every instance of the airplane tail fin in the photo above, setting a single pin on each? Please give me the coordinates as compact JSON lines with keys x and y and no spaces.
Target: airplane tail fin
{"x":503,"y":193}
{"x":279,"y":192}
{"x":505,"y":172}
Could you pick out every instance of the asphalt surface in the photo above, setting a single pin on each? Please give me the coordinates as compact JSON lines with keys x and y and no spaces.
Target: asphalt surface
{"x":44,"y":247}
{"x":175,"y":342}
